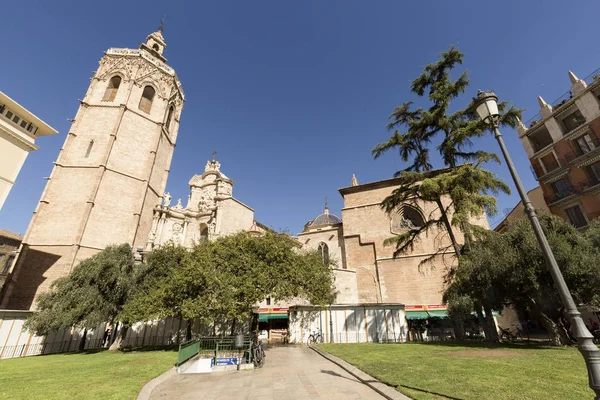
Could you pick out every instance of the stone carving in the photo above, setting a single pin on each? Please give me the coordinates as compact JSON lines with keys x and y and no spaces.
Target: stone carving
{"x":212,"y":226}
{"x":205,"y":203}
{"x":212,"y":166}
{"x":167,"y":199}
{"x":176,"y":228}
{"x":178,"y":206}
{"x":405,"y":224}
{"x":188,"y":205}
{"x":151,"y":236}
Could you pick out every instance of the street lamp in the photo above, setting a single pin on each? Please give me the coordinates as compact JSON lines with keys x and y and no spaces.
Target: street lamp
{"x":486,"y":105}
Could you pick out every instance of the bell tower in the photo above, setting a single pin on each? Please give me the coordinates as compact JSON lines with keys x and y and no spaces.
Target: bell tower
{"x":110,"y":173}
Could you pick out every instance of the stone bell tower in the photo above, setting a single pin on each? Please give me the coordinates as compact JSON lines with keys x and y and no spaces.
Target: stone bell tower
{"x":110,"y":173}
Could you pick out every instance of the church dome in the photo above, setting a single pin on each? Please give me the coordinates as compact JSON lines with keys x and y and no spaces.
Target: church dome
{"x":324,"y":219}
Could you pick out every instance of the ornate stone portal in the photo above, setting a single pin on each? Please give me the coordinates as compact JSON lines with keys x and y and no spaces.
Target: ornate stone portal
{"x":211,"y":211}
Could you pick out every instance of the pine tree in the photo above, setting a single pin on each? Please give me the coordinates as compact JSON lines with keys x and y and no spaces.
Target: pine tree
{"x":463,"y":180}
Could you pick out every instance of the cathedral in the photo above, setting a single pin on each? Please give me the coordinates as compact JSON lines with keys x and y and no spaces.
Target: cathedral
{"x":108,"y":186}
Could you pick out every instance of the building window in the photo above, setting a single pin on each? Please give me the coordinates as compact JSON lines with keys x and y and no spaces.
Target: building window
{"x":89,"y":149}
{"x":324,"y":250}
{"x":407,"y":218}
{"x":593,"y":172}
{"x":147,"y":98}
{"x":575,"y":216}
{"x":170,"y":116}
{"x":573,"y":120}
{"x":540,"y":138}
{"x":9,"y":114}
{"x":23,"y":124}
{"x":112,"y":88}
{"x":16,"y":119}
{"x":155,"y":47}
{"x":268,"y":301}
{"x":561,"y":188}
{"x":550,"y":162}
{"x":584,"y":144}
{"x":203,"y":233}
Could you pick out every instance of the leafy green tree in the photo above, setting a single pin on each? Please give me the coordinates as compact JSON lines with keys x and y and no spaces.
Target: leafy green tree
{"x":94,"y":293}
{"x":225,"y":278}
{"x":509,"y":269}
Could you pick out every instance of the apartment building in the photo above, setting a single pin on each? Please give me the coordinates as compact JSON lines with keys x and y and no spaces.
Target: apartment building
{"x":562,"y":142}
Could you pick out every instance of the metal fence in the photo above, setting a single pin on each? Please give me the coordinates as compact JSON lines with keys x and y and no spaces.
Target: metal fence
{"x":216,"y":347}
{"x":23,"y":350}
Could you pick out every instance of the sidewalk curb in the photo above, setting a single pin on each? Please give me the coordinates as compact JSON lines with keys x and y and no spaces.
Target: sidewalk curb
{"x":147,"y":389}
{"x":386,"y":391}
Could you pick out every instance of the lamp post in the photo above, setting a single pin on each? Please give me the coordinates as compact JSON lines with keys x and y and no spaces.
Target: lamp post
{"x":486,"y":105}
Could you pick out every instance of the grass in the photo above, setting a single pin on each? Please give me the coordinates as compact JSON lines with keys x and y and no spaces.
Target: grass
{"x":90,"y":375}
{"x":428,"y":371}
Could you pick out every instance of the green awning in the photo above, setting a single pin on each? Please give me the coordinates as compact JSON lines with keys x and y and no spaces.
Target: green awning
{"x":266,"y":316}
{"x":416,"y":315}
{"x":426,"y":314}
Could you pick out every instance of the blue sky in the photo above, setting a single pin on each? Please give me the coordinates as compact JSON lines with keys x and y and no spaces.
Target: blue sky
{"x":292,"y":95}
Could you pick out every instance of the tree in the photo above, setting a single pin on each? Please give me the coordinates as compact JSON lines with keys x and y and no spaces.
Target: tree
{"x":509,"y":269}
{"x":225,"y":278}
{"x":468,"y":186}
{"x":94,"y":293}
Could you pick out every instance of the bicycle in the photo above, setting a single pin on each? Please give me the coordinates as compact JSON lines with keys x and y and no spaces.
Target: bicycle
{"x":508,"y":335}
{"x":315,"y":337}
{"x":258,"y":354}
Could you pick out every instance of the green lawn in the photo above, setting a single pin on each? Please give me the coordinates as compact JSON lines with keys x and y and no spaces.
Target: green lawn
{"x":472,"y":371}
{"x":94,"y":375}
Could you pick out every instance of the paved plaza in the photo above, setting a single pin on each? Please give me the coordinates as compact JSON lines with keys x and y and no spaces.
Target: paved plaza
{"x":290,"y":372}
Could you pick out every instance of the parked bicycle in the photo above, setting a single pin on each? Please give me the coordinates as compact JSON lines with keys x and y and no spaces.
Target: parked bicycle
{"x":315,"y":337}
{"x":511,"y":335}
{"x":258,"y":354}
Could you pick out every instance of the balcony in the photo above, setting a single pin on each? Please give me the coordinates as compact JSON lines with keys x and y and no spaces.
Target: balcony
{"x":558,"y":197}
{"x":575,"y":157}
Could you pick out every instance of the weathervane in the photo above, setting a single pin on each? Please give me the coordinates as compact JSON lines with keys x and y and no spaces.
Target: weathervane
{"x":214,"y":154}
{"x":162,"y":24}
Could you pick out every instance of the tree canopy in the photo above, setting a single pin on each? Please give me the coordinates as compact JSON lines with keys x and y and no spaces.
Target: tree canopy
{"x":227,"y":277}
{"x":509,"y":269}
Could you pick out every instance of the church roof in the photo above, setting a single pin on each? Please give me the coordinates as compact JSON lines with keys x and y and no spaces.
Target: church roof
{"x":324,"y":219}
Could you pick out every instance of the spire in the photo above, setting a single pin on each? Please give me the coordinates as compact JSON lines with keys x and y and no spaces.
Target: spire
{"x":545,"y":108}
{"x":542,"y":102}
{"x":354,"y":180}
{"x":326,"y":211}
{"x":572,"y":77}
{"x":521,"y":128}
{"x":155,"y":43}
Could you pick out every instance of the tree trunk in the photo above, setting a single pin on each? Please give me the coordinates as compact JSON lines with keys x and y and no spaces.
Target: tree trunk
{"x":179,"y":331}
{"x":116,"y":345}
{"x":188,"y":330}
{"x":448,"y":226}
{"x":233,"y":326}
{"x":549,"y":325}
{"x":82,"y":341}
{"x":489,"y":317}
{"x":459,"y":328}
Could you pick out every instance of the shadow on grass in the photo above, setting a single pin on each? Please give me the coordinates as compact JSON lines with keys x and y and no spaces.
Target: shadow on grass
{"x":445,"y":396}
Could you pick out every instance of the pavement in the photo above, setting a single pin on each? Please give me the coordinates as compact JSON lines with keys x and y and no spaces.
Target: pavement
{"x":290,"y":373}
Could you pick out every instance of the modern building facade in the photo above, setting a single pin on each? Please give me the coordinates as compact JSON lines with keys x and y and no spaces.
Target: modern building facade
{"x":19,"y":128}
{"x":110,"y":173}
{"x":562,"y":142}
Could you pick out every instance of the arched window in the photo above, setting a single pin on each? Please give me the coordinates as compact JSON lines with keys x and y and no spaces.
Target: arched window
{"x":203,"y":233}
{"x":155,"y":47}
{"x":147,"y":98}
{"x":112,"y":88}
{"x":324,"y":250}
{"x":407,"y":218}
{"x":170,"y":116}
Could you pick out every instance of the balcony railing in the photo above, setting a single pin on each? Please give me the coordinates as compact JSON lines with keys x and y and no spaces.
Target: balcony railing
{"x":593,"y":77}
{"x":533,"y":120}
{"x":574,"y":189}
{"x":556,"y":104}
{"x":572,"y":156}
